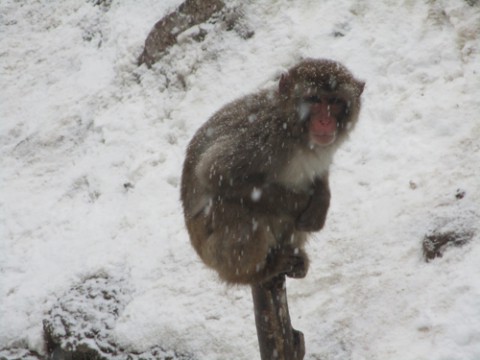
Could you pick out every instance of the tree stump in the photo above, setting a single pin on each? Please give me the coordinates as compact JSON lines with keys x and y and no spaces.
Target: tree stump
{"x":276,"y":337}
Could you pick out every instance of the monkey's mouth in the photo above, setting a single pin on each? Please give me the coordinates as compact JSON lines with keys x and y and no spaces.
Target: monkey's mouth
{"x":323,"y":139}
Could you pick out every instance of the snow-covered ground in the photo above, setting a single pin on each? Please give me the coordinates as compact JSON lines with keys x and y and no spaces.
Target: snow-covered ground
{"x":91,"y":148}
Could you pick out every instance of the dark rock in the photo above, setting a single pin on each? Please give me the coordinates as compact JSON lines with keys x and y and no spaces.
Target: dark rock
{"x":460,"y":194}
{"x":104,"y":4}
{"x":473,"y":2}
{"x":18,"y":354}
{"x":79,"y":325}
{"x":435,"y":244}
{"x":164,"y":33}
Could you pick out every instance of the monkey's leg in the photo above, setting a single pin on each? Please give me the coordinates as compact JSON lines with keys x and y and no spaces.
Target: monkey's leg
{"x":276,"y":337}
{"x":247,"y":255}
{"x":236,"y":244}
{"x":246,"y":247}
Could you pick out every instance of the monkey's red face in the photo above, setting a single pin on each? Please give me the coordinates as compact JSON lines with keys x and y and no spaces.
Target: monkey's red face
{"x":325,"y":113}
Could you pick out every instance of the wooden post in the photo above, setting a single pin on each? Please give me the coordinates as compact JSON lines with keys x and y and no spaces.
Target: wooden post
{"x":276,"y":337}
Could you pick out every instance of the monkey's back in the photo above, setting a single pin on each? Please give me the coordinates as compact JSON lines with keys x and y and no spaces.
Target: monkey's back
{"x":250,"y":125}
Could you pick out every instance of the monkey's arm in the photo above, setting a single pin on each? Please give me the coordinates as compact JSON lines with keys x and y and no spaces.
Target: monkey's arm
{"x":313,"y":218}
{"x":234,"y":177}
{"x":269,"y":198}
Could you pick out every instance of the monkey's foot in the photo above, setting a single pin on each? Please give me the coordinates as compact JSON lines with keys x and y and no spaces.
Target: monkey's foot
{"x":297,"y":267}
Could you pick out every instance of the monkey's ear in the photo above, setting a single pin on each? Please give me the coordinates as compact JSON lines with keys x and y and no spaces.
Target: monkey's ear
{"x":285,"y":84}
{"x":361,"y":87}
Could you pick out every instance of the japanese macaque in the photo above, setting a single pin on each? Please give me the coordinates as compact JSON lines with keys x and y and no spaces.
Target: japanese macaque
{"x":255,"y":177}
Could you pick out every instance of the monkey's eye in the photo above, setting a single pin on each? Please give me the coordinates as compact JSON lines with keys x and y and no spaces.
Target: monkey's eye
{"x":313,"y":99}
{"x":333,"y":100}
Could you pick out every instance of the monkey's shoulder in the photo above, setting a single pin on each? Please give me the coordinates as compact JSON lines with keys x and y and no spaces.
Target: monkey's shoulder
{"x":254,"y":120}
{"x":247,"y":110}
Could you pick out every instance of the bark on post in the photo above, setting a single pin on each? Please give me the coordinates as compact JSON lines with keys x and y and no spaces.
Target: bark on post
{"x":164,"y":33}
{"x":276,"y":337}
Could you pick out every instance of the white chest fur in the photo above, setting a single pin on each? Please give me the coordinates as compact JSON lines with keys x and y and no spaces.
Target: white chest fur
{"x":304,"y":166}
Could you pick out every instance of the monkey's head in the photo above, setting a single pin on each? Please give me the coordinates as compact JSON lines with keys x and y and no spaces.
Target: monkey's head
{"x":323,"y":99}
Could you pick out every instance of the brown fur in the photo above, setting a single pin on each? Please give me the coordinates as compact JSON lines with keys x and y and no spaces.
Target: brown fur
{"x":253,"y":186}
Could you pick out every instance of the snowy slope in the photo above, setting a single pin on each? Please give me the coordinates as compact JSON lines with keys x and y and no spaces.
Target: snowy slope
{"x":91,"y":148}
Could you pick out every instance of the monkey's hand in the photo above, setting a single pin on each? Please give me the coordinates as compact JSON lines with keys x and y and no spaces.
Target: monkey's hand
{"x":314,"y":216}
